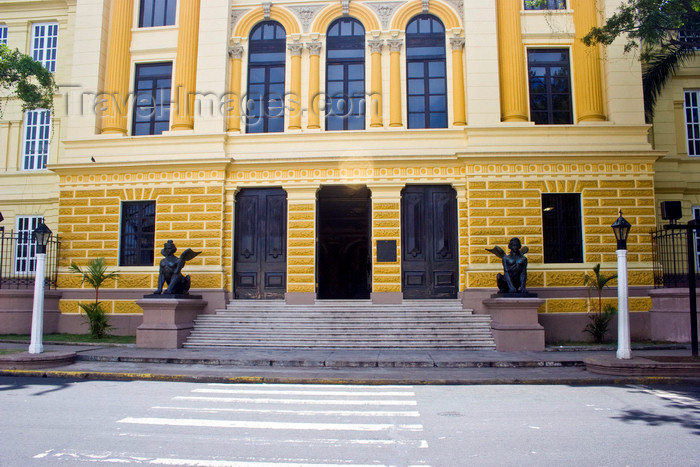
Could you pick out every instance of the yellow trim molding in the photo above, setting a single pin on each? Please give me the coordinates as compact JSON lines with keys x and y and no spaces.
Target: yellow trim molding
{"x":362,"y":13}
{"x":446,"y":14}
{"x":279,"y":14}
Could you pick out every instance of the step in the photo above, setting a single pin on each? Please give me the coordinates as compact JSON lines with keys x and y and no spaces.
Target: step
{"x":346,"y":324}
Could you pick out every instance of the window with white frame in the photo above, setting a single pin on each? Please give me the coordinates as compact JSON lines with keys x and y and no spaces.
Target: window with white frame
{"x":692,"y":122}
{"x":3,"y":34}
{"x":45,"y":44}
{"x":25,"y":250}
{"x":35,"y":149}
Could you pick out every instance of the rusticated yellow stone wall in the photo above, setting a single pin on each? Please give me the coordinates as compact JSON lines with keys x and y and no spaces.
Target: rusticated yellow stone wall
{"x":504,"y":201}
{"x":386,"y":225}
{"x":109,"y":306}
{"x":188,"y":211}
{"x":301,"y":258}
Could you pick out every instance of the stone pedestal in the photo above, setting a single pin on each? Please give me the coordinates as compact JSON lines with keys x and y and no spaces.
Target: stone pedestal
{"x":167,"y":321}
{"x":514,"y":323}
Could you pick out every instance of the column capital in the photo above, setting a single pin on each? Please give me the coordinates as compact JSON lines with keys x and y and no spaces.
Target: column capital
{"x":457,"y":43}
{"x":295,"y":48}
{"x":395,"y":44}
{"x":236,"y":52}
{"x":375,"y":45}
{"x":314,"y":47}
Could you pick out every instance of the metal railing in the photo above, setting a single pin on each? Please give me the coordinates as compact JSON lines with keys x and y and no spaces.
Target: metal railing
{"x":18,"y":260}
{"x":670,"y":258}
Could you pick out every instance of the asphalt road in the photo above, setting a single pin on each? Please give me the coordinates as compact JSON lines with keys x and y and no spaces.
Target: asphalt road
{"x":47,"y":422}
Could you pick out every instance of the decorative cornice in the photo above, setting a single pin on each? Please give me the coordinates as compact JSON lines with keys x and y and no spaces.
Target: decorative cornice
{"x":385,"y":11}
{"x":306,"y":14}
{"x":375,"y":45}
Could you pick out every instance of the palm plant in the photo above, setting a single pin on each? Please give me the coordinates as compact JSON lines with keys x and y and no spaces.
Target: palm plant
{"x":95,"y":273}
{"x":600,"y":319}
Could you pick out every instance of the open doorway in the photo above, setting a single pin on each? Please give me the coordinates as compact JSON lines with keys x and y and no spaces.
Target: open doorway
{"x":344,"y":263}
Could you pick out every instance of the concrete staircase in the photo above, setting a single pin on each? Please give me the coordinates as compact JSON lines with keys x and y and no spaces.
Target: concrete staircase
{"x":346,"y":324}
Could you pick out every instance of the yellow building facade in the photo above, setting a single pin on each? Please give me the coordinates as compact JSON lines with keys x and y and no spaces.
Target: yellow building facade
{"x":361,"y":150}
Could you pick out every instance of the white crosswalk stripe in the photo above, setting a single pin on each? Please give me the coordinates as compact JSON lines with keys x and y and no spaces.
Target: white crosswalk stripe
{"x":257,"y":425}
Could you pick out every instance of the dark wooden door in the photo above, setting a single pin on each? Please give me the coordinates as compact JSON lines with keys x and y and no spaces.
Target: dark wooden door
{"x":260,"y":246}
{"x":430,"y":251}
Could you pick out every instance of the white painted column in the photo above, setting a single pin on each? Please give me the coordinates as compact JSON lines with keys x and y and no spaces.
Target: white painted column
{"x":35,"y":344}
{"x":623,"y":319}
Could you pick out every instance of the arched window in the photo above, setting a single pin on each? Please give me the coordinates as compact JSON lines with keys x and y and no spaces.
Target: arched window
{"x":345,"y":75}
{"x":425,"y":73}
{"x":265,"y":98}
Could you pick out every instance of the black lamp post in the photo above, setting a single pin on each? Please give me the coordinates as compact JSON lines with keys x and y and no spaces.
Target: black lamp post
{"x":621,"y":228}
{"x":41,"y":236}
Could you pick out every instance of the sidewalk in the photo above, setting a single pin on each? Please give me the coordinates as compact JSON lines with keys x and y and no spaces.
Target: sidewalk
{"x":335,"y":366}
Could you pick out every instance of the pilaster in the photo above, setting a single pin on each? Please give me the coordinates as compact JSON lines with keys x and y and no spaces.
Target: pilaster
{"x":586,"y":60}
{"x":395,"y":117}
{"x":118,"y":68}
{"x":314,"y":84}
{"x":459,"y":117}
{"x":375,"y":98}
{"x":233,"y":106}
{"x":295,"y":49}
{"x":185,"y":80}
{"x":511,"y":60}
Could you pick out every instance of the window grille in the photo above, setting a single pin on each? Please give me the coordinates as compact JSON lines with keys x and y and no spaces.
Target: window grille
{"x":138,"y":227}
{"x":561,"y":228}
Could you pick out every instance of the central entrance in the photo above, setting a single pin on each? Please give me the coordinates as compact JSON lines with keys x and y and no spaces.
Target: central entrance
{"x":344,"y":263}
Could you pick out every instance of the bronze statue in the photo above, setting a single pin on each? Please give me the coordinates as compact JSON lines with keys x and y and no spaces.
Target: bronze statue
{"x":514,"y":277}
{"x":171,"y":270}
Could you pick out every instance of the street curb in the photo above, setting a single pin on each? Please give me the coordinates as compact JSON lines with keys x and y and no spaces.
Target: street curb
{"x":114,"y":376}
{"x":333,"y":363}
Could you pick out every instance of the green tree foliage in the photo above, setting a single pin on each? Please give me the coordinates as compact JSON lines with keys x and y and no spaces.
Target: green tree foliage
{"x":26,"y":79}
{"x":95,"y":274}
{"x":665,"y":33}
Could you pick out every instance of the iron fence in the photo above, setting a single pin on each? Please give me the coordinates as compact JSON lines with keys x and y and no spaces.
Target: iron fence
{"x":670,"y":258}
{"x":18,"y":260}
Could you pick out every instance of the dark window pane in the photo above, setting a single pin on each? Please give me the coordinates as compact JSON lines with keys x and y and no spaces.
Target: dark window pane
{"x":438,"y":120}
{"x":266,"y":50}
{"x":550,"y":86}
{"x":425,"y":71}
{"x":561,"y":227}
{"x":437,"y":86}
{"x":416,"y":120}
{"x":152,"y":99}
{"x":438,"y":104}
{"x":157,"y":13}
{"x":345,"y":74}
{"x":137,"y":233}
